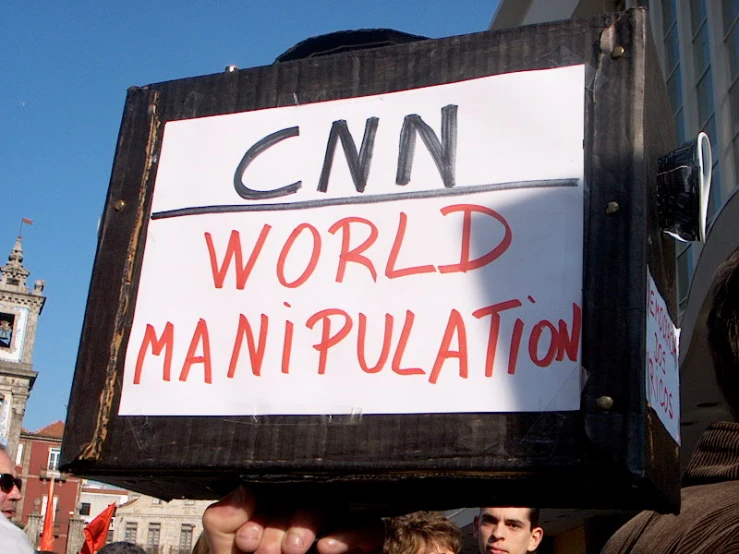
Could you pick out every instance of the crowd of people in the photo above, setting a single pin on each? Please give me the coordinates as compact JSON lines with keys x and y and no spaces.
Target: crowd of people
{"x":497,"y":530}
{"x":708,"y":521}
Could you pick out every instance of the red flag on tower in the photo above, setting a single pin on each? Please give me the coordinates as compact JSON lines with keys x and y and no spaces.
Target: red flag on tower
{"x":27,"y":222}
{"x":96,"y":532}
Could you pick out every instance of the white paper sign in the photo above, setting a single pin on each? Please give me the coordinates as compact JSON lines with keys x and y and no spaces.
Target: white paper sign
{"x":413,"y":252}
{"x":663,"y":375}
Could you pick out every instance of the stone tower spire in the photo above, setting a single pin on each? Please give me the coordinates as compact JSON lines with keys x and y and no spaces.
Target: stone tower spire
{"x":14,"y":275}
{"x":20,"y":308}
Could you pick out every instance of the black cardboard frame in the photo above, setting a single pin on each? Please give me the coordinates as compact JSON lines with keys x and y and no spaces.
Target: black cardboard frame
{"x":621,"y":457}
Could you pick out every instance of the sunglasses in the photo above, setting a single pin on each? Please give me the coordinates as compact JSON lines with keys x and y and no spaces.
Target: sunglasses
{"x":7,"y":482}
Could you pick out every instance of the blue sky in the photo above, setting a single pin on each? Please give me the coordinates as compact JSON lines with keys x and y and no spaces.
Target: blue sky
{"x":64,"y":70}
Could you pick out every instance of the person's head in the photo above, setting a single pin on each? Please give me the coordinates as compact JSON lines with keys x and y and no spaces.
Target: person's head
{"x":723,"y":330}
{"x":10,"y":491}
{"x":507,"y":530}
{"x":121,"y":547}
{"x":421,"y":533}
{"x":201,"y":546}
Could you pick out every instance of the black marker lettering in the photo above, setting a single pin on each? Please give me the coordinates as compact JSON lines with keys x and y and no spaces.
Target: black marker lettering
{"x":270,"y":140}
{"x":443,"y":152}
{"x":359,"y":164}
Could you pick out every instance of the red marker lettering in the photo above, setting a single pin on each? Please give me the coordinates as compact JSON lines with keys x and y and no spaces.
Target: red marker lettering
{"x":494,"y":312}
{"x":534,"y":339}
{"x":354,"y":254}
{"x":327,"y":339}
{"x":166,"y":343}
{"x":315,"y":253}
{"x":233,"y":251}
{"x":465,"y":264}
{"x":454,"y":325}
{"x":400,"y":350}
{"x":569,"y":343}
{"x":200,"y":336}
{"x":515,"y":344}
{"x":390,"y":271}
{"x":256,"y":351}
{"x":386,"y":339}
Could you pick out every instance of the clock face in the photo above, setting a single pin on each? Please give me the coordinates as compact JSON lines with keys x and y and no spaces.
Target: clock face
{"x":13,"y":321}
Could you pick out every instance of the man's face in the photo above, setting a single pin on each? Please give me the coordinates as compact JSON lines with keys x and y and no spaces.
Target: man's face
{"x":506,"y":531}
{"x":8,"y":499}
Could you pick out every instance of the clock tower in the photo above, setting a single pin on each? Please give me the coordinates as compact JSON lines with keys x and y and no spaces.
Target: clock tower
{"x":19,"y":310}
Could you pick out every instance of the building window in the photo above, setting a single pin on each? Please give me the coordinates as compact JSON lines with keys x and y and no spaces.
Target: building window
{"x":186,"y":538}
{"x":54,"y":508}
{"x":53,"y":462}
{"x":152,"y":538}
{"x":131,"y":531}
{"x":6,"y":329}
{"x":730,"y":16}
{"x":156,"y":501}
{"x":85,"y":509}
{"x":109,"y":538}
{"x":19,"y":455}
{"x":673,"y":75}
{"x":704,"y":95}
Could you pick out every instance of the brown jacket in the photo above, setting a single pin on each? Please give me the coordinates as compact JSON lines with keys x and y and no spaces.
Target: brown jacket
{"x":709,"y":515}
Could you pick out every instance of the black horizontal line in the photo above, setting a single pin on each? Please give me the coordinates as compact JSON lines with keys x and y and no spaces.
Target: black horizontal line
{"x":364,"y":199}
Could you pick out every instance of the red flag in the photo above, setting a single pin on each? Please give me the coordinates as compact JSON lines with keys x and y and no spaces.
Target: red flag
{"x":26,"y":220}
{"x":96,"y":532}
{"x":47,"y":537}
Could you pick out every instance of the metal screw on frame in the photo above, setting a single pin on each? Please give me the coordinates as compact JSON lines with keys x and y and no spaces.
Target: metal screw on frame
{"x":604,"y":403}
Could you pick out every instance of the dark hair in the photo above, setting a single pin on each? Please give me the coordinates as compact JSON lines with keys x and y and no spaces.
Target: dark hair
{"x":409,"y":533}
{"x":345,"y":41}
{"x":723,"y":330}
{"x":201,"y":546}
{"x":121,"y":547}
{"x":534,"y":517}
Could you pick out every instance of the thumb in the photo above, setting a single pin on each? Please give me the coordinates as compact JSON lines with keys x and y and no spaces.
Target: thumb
{"x":223,"y":519}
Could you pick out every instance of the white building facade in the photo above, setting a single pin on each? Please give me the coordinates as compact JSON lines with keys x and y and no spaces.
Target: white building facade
{"x":160,"y":527}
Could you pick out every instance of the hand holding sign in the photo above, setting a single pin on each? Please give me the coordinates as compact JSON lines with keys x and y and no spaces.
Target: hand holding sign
{"x":240,"y":523}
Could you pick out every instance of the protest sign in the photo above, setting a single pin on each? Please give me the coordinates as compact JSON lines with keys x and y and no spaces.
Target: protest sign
{"x":415,"y":272}
{"x":458,"y":291}
{"x":663,"y":374}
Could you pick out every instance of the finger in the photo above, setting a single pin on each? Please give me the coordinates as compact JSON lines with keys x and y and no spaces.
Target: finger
{"x":223,"y":519}
{"x":273,"y":535}
{"x":249,"y":536}
{"x":366,"y":539}
{"x":303,"y":530}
